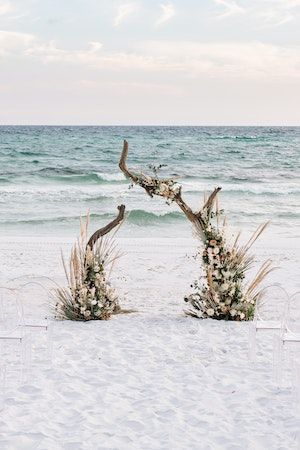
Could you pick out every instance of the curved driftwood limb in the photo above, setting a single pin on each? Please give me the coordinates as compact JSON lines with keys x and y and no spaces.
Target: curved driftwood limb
{"x":195,"y":217}
{"x":123,"y":166}
{"x":103,"y":231}
{"x":184,"y":207}
{"x":210,"y":201}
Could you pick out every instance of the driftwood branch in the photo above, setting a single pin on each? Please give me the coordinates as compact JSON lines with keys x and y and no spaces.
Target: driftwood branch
{"x":123,"y":166}
{"x":195,"y":217}
{"x":103,"y":231}
{"x":211,"y":199}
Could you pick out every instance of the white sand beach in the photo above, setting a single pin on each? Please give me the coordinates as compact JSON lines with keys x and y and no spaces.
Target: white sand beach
{"x":134,"y":121}
{"x":153,"y":379}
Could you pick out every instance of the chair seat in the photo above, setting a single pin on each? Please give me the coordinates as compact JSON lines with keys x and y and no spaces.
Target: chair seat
{"x":36,"y":323}
{"x":291,"y":337}
{"x":15,"y":335}
{"x":268,"y":325}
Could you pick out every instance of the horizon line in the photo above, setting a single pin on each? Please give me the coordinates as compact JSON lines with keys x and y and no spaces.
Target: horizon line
{"x":146,"y":125}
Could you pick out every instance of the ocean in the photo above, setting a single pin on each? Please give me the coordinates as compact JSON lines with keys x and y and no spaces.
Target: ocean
{"x":51,"y":175}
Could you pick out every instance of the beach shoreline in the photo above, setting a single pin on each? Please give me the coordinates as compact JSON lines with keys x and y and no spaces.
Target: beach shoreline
{"x":153,"y":379}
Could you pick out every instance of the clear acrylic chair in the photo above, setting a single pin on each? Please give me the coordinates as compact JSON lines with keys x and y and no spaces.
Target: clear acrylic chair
{"x":287,"y":344}
{"x":12,"y":330}
{"x":269,"y":309}
{"x":35,"y":300}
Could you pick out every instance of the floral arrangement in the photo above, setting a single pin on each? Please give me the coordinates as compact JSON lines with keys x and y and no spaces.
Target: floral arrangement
{"x":221,"y":292}
{"x":167,"y":188}
{"x":89,"y":295}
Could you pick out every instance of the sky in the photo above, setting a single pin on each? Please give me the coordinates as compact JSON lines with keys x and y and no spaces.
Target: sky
{"x":142,"y":62}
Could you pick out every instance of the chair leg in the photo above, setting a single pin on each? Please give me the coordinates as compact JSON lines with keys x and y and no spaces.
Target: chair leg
{"x":50,"y":341}
{"x":2,"y":386}
{"x":296,"y":384}
{"x":26,"y":358}
{"x":278,"y":360}
{"x":252,"y":341}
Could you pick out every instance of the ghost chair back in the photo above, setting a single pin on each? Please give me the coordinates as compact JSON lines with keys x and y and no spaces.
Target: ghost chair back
{"x":287,"y":344}
{"x":12,"y":331}
{"x":35,"y":300}
{"x":271,"y":306}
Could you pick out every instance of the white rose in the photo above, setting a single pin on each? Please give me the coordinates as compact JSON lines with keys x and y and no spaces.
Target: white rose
{"x":87,"y":313}
{"x":233,"y":312}
{"x":147,"y":179}
{"x":224,"y":287}
{"x":210,"y":312}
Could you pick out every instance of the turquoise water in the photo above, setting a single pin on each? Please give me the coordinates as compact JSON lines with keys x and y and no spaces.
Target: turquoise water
{"x":51,"y":175}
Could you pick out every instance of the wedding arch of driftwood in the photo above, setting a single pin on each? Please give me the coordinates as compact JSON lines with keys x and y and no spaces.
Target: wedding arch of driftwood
{"x":107,"y":228}
{"x":223,"y":295}
{"x":148,"y":183}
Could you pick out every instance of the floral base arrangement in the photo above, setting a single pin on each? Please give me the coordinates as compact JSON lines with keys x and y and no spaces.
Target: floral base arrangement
{"x":222,"y":292}
{"x":89,"y":295}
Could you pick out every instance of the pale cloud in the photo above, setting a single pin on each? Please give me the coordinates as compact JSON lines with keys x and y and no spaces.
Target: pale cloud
{"x":124,"y":10}
{"x":254,"y":60}
{"x":94,"y":57}
{"x":5,"y":7}
{"x":270,"y":13}
{"x":275,"y":18}
{"x":223,"y":60}
{"x":167,"y":12}
{"x":12,"y":42}
{"x":231,"y":8}
{"x":95,"y":46}
{"x":278,"y":12}
{"x":126,"y":86}
{"x":49,"y":52}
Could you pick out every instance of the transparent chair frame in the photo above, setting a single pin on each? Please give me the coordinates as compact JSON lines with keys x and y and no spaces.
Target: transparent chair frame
{"x":43,"y":323}
{"x":282,"y":344}
{"x":15,"y":333}
{"x":259,"y":323}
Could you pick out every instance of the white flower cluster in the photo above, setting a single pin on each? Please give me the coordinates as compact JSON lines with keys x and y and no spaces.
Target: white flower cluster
{"x":165,"y":188}
{"x":220,"y":296}
{"x":91,"y":296}
{"x":95,"y":299}
{"x":208,"y":304}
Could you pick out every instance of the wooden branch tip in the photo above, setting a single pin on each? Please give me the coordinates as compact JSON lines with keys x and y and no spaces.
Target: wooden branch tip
{"x":122,"y":163}
{"x":211,"y":198}
{"x":103,"y":231}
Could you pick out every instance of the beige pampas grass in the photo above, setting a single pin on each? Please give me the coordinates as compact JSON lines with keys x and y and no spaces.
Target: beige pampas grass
{"x":224,"y":293}
{"x":89,"y":295}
